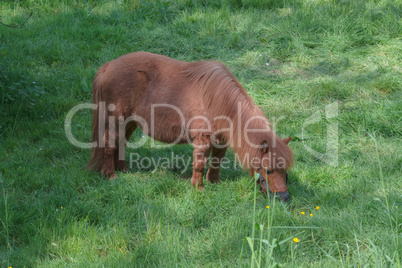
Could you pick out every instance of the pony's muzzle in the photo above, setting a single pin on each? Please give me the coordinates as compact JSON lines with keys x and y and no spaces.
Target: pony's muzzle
{"x":284,"y":196}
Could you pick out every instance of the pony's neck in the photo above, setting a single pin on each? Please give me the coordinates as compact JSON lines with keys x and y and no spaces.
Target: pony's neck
{"x":252,"y":131}
{"x":223,"y":96}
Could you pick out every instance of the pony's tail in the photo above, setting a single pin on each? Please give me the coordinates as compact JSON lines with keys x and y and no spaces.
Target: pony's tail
{"x":95,"y":160}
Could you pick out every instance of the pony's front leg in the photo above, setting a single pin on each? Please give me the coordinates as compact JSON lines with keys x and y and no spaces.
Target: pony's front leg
{"x":217,"y":156}
{"x":200,"y":159}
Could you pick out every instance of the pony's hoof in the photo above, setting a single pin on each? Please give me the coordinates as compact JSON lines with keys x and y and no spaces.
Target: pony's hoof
{"x":199,"y":187}
{"x":112,"y":176}
{"x":125,"y":170}
{"x":213,"y":180}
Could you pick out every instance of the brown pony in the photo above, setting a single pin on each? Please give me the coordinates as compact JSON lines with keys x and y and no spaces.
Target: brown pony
{"x":179,"y":102}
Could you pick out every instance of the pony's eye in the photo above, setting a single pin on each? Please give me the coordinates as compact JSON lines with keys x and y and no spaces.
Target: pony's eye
{"x":269,"y":172}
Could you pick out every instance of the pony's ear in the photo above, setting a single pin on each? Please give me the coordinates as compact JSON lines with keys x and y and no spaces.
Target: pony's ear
{"x":286,"y":140}
{"x":264,"y":147}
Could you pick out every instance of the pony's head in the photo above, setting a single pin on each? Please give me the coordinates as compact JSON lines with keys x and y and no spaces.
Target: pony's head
{"x":273,"y":177}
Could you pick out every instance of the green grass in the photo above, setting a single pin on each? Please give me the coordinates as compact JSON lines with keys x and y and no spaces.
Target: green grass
{"x":293,"y":57}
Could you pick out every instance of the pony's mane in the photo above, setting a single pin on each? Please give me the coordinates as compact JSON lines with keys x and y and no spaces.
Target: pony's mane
{"x":223,"y":95}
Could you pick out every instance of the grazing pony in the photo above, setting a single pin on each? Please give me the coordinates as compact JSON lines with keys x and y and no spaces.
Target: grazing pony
{"x":179,"y":102}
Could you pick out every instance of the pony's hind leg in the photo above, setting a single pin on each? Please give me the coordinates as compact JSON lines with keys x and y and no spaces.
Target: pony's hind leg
{"x":120,"y":157}
{"x":109,"y":149}
{"x":108,"y":167}
{"x":217,"y":156}
{"x":120,"y":154}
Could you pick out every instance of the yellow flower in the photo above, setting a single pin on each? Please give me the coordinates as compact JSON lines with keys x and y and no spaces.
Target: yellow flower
{"x":296,"y":240}
{"x":267,"y":206}
{"x":302,"y":212}
{"x":317,"y":207}
{"x":260,"y":91}
{"x":61,"y":207}
{"x":311,"y":214}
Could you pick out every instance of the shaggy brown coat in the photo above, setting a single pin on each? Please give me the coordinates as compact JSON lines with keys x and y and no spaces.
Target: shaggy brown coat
{"x":183,"y":102}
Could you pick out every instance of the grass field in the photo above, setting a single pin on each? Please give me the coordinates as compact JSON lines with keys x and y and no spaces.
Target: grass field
{"x":295,"y":59}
